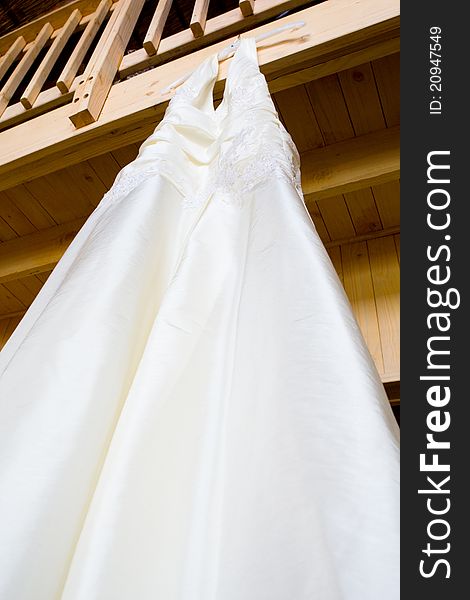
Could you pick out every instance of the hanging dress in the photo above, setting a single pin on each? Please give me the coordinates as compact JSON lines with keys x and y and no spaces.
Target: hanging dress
{"x":188,"y":410}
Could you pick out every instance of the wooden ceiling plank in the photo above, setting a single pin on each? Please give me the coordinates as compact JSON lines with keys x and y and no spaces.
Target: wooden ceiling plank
{"x":20,"y":291}
{"x":54,"y":197}
{"x":3,"y":329}
{"x":125,"y":155}
{"x":336,"y":217}
{"x":330,"y":109}
{"x":6,"y":232}
{"x":297,"y":113}
{"x":32,"y":284}
{"x":362,"y":99}
{"x":397,"y":245}
{"x":106,"y":168}
{"x":86,"y":185}
{"x":387,"y":76}
{"x":10,"y":327}
{"x":351,"y":165}
{"x":43,"y":276}
{"x":15,"y":218}
{"x":318,"y":221}
{"x":359,"y":289}
{"x":387,"y":199}
{"x":134,"y":106}
{"x":30,"y":207}
{"x":363,"y":211}
{"x":9,"y":302}
{"x":385,"y":271}
{"x":335,"y":257}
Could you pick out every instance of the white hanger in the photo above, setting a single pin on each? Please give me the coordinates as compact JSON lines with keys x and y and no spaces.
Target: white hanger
{"x":229,"y":50}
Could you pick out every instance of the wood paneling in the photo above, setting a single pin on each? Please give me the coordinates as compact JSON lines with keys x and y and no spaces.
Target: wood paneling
{"x":330,"y":109}
{"x":30,"y":207}
{"x":336,"y":217}
{"x":387,"y":76}
{"x":318,"y":221}
{"x":369,"y":271}
{"x":337,"y":260}
{"x":385,"y":272}
{"x":7,"y":327}
{"x":362,"y":99}
{"x":359,"y":288}
{"x":387,"y":200}
{"x":363,"y":211}
{"x":295,"y":108}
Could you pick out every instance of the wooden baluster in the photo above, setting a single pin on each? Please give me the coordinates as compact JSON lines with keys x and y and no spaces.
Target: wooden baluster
{"x":70,"y":70}
{"x":98,"y":78}
{"x":155,"y":30}
{"x":32,"y":91}
{"x":23,"y":66}
{"x":199,"y":17}
{"x":247,"y":7}
{"x":11,"y":54}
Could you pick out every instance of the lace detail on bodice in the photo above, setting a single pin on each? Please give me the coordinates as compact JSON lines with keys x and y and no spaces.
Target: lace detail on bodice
{"x":245,"y":163}
{"x":130,"y":178}
{"x":185,"y":93}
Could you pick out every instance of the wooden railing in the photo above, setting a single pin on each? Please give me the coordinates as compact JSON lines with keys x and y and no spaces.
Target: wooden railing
{"x":78,"y":51}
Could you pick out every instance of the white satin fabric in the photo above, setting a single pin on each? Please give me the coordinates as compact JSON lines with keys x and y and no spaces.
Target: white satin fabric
{"x":188,"y":410}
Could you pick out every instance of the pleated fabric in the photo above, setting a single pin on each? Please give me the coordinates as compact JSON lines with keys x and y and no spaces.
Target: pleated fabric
{"x":188,"y":410}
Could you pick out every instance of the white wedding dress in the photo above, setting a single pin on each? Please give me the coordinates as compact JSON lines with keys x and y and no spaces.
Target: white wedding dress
{"x":188,"y":410}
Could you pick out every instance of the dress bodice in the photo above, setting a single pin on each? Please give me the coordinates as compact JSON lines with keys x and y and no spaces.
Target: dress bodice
{"x":225,"y":151}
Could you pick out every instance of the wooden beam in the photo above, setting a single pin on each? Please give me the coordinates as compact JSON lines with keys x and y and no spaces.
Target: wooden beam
{"x":34,"y":87}
{"x":134,"y":107}
{"x":157,"y":24}
{"x":351,"y":165}
{"x":70,"y":70}
{"x":98,"y":78}
{"x":36,"y":252}
{"x":11,"y":54}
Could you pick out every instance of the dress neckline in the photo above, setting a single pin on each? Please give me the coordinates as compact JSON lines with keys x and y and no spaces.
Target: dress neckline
{"x":198,"y":89}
